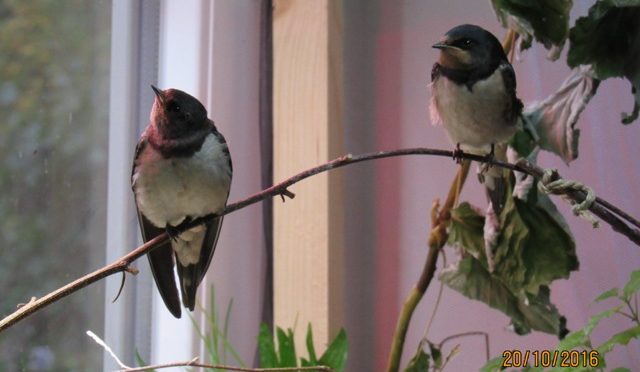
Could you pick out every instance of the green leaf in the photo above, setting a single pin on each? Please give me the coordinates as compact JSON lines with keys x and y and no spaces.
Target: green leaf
{"x":419,"y":362}
{"x":540,"y":314}
{"x":535,"y":248}
{"x":493,"y":365}
{"x":466,"y":229}
{"x":609,"y":40}
{"x":613,"y":292}
{"x":141,"y":362}
{"x":310,"y":348}
{"x":286,"y":348}
{"x":632,"y":285}
{"x":471,"y":278}
{"x":621,"y":338}
{"x":335,"y":356}
{"x":546,"y":20}
{"x":580,"y":338}
{"x":523,"y":142}
{"x":436,"y":355}
{"x":267,"y":348}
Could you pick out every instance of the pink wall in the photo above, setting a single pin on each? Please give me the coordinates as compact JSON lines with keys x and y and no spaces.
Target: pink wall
{"x":608,"y":162}
{"x":387,"y":66}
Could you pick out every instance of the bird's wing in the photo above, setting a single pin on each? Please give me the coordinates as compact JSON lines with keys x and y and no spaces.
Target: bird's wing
{"x":435,"y":71}
{"x":514,"y":109}
{"x":222,"y":140}
{"x":191,"y":275}
{"x":161,"y":257}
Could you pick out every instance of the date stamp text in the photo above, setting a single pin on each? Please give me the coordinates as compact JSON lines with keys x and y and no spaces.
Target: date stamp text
{"x":550,"y":358}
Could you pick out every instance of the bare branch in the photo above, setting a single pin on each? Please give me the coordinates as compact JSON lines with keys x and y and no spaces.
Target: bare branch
{"x":226,"y":368}
{"x":194,"y":363}
{"x":599,"y":208}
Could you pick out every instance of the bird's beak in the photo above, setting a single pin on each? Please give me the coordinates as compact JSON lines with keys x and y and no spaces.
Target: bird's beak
{"x":159,"y":94}
{"x":442,"y":45}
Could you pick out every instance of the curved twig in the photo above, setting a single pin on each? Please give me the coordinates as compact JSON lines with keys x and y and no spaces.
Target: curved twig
{"x":227,"y":368}
{"x":122,"y":264}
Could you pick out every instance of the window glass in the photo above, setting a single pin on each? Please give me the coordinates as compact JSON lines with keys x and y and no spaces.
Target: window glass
{"x":54,"y":102}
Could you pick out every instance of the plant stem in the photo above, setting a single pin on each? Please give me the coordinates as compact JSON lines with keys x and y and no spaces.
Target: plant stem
{"x":408,"y":308}
{"x":437,"y":239}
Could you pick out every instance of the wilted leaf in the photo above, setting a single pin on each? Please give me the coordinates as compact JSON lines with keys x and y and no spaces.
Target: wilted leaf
{"x":469,"y":277}
{"x":336,"y":354}
{"x":523,"y":182}
{"x":609,"y":40}
{"x":546,"y":20}
{"x":534,"y":248}
{"x":545,"y":203}
{"x":540,"y":314}
{"x":419,"y":362}
{"x":466,"y":230}
{"x":554,"y":119}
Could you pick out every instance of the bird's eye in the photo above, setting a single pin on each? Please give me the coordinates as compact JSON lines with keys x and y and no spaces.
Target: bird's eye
{"x":466,"y":43}
{"x":173,"y":106}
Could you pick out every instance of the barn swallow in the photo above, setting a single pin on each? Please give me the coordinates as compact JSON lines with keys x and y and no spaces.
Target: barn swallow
{"x":181,"y":171}
{"x":474,"y":97}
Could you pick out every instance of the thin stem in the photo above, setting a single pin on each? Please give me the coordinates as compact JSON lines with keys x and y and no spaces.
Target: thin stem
{"x":435,"y":310}
{"x":454,"y":351}
{"x":634,"y":314}
{"x":466,"y":334}
{"x":598,"y":208}
{"x":635,"y":301}
{"x":226,"y":368}
{"x":618,"y":211}
{"x":625,"y":314}
{"x":437,"y":239}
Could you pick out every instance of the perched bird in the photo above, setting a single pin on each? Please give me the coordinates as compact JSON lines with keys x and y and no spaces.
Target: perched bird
{"x":474,"y":95}
{"x":182,"y":170}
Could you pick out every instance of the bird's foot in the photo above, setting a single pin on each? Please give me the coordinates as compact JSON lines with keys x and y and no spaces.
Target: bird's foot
{"x":457,"y":154}
{"x":490,"y":157}
{"x":172,"y":231}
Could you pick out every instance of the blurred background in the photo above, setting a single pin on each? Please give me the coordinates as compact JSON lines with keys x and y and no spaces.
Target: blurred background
{"x":54,"y":107}
{"x":74,"y":97}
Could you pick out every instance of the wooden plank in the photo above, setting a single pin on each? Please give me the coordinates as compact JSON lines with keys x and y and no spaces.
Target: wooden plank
{"x":308,"y":231}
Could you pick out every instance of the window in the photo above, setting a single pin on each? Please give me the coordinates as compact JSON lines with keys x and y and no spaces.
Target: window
{"x":54,"y":94}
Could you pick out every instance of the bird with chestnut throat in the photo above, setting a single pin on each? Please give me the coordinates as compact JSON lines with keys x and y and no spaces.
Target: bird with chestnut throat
{"x":473,"y":88}
{"x":181,"y":171}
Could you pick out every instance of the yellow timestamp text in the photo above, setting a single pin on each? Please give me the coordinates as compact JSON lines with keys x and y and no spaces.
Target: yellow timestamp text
{"x":550,"y":358}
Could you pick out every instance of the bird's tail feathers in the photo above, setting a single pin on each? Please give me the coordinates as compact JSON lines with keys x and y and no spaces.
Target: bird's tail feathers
{"x":190,"y":277}
{"x":495,"y":180}
{"x":191,"y":274}
{"x":496,"y":190}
